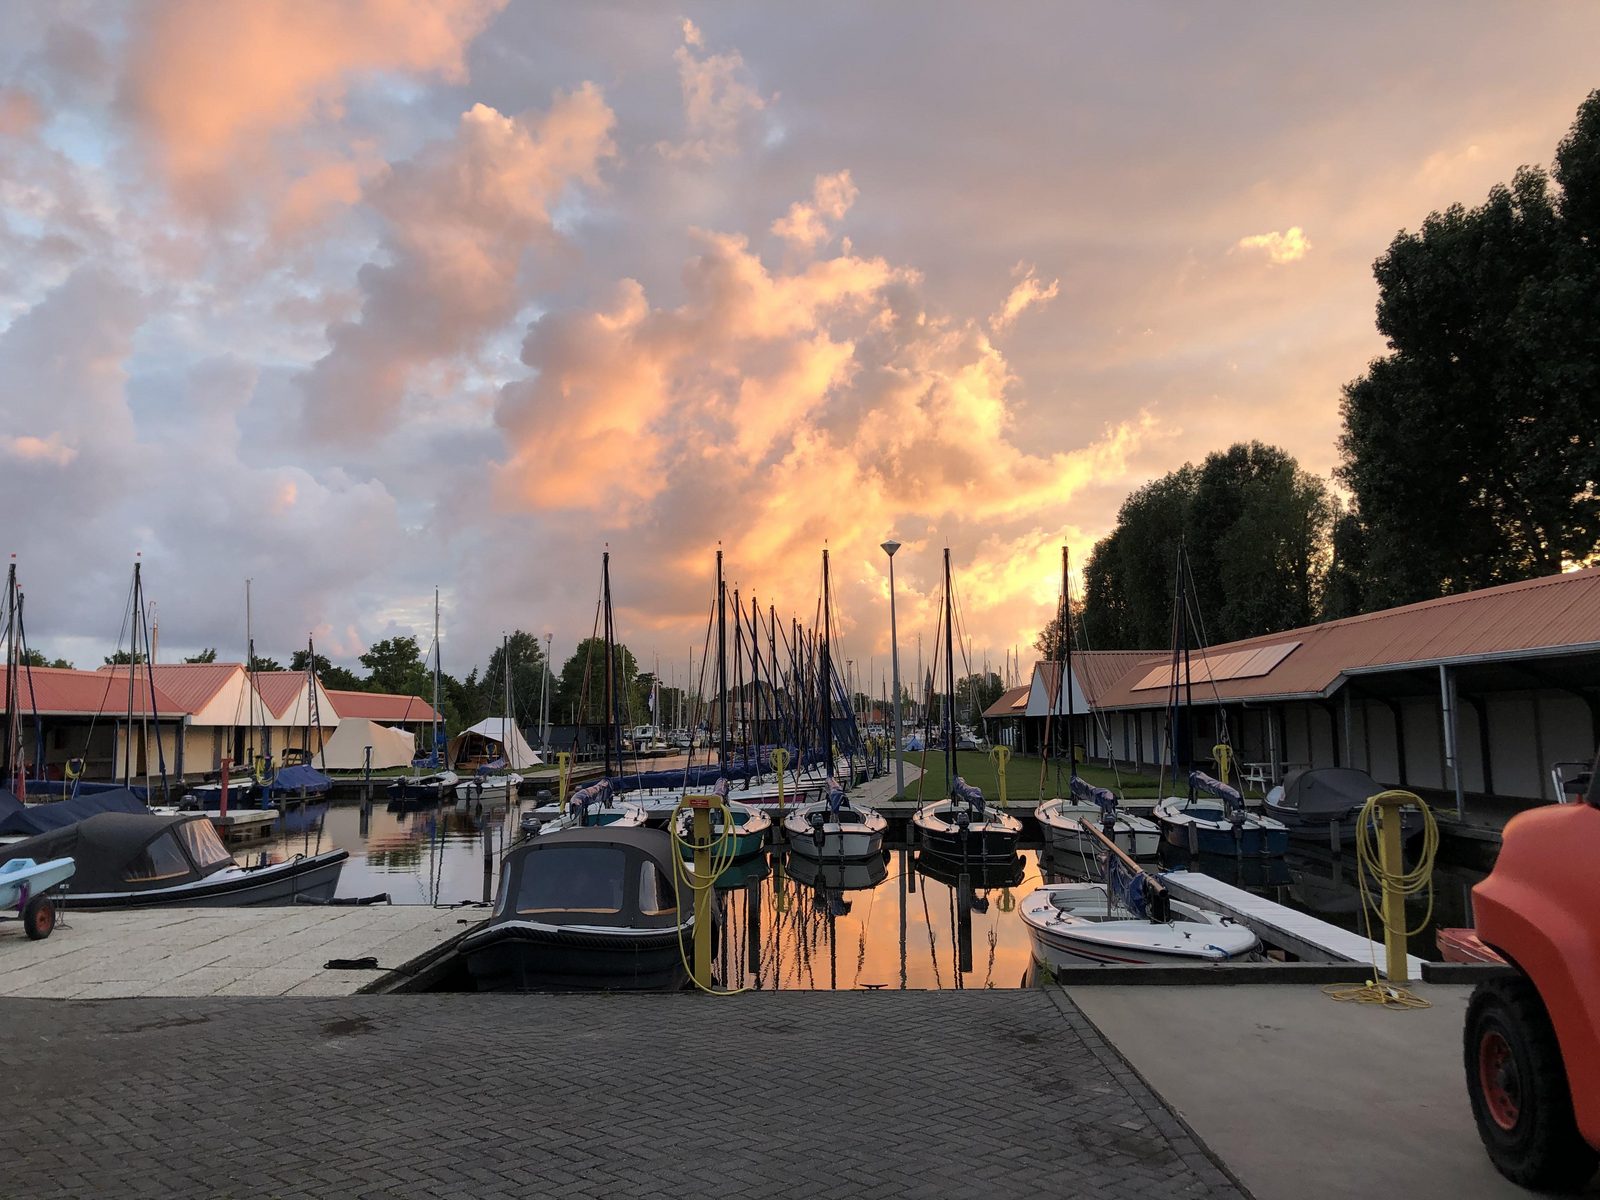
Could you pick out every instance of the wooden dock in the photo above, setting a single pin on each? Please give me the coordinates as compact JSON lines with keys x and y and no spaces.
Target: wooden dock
{"x":1304,"y":936}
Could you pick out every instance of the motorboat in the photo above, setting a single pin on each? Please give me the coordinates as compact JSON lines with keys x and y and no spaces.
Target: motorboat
{"x":751,"y":830}
{"x":590,"y":907}
{"x":981,"y":874}
{"x":589,"y":807}
{"x":660,"y":803}
{"x":832,"y":830}
{"x":1060,"y":822}
{"x":139,"y":860}
{"x":418,"y":791}
{"x":1323,"y":805}
{"x":485,"y":788}
{"x":1071,"y":924}
{"x":1218,"y":822}
{"x":967,"y":828}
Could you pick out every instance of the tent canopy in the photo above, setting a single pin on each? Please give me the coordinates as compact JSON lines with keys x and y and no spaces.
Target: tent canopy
{"x":494,"y":738}
{"x":346,"y":749}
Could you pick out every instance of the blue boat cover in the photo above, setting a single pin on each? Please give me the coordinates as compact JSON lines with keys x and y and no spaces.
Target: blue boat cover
{"x":62,"y":788}
{"x":1087,"y":793}
{"x":595,"y":793}
{"x":289,"y":780}
{"x":962,"y":790}
{"x":29,"y":819}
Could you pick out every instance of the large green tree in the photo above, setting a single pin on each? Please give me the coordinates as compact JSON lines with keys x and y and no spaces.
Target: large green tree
{"x":329,"y":675}
{"x":1470,"y":448}
{"x":581,"y":689}
{"x":36,"y":658}
{"x":527,"y":677}
{"x":395,"y":665}
{"x":1255,"y":528}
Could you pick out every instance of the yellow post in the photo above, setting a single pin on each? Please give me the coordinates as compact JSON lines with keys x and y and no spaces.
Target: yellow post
{"x":780,"y":760}
{"x":1001,"y":756}
{"x":563,"y":763}
{"x":1391,"y":861}
{"x":702,"y":893}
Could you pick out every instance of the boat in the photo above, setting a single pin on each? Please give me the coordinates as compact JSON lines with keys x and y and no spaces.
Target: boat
{"x":835,"y":830}
{"x":1059,"y":822}
{"x":590,"y":807}
{"x":1323,"y":805}
{"x":1060,"y":818}
{"x":751,"y":830}
{"x":494,"y":750}
{"x":963,"y":826}
{"x":1465,"y":946}
{"x":141,"y":860}
{"x":487,"y":786}
{"x":19,"y":820}
{"x":1071,"y":924}
{"x":592,"y":907}
{"x":837,"y":875}
{"x":26,"y":885}
{"x":421,"y":791}
{"x":1218,"y":822}
{"x":980,"y":874}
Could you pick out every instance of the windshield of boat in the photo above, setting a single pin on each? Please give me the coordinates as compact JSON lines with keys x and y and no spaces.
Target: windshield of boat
{"x":655,"y":893}
{"x":585,"y":879}
{"x":203,"y":844}
{"x":161,"y":859}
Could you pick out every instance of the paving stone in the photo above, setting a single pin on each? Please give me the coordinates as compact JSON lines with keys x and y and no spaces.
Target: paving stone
{"x":897,"y":1095}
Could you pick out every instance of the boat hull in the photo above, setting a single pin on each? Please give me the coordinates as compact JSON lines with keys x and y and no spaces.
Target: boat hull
{"x":1192,"y":830}
{"x":313,"y":880}
{"x":1058,"y":825}
{"x":1081,"y":933}
{"x":835,"y":844}
{"x":529,"y":957}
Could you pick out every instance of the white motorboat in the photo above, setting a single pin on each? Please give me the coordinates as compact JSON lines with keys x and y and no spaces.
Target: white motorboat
{"x":834,"y":829}
{"x":1076,"y":923}
{"x":1060,"y":823}
{"x":487,"y":789}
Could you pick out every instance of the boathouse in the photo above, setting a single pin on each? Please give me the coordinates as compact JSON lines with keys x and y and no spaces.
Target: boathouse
{"x":1474,"y":694}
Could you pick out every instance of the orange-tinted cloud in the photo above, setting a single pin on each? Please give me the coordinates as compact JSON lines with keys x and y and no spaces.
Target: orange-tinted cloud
{"x":718,"y":98}
{"x":210,"y":83}
{"x":806,"y":223}
{"x":1027,"y":293}
{"x":1287,"y":247}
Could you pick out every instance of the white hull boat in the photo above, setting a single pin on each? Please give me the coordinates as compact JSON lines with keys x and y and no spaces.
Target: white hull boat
{"x":817,"y":831}
{"x":486,"y":789}
{"x":1071,"y":924}
{"x":1059,"y":824}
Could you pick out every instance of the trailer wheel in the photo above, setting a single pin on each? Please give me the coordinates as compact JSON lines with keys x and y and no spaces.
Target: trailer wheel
{"x":1519,"y":1091}
{"x":39,"y":917}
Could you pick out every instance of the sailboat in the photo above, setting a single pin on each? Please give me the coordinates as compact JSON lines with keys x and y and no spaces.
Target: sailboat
{"x":964,"y":826}
{"x":1061,"y":819}
{"x":1211,"y":818}
{"x":418,"y":791}
{"x":496,"y":779}
{"x":831,"y":829}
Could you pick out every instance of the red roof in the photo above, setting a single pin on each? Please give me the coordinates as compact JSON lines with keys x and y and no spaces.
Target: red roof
{"x":1555,"y":613}
{"x":381,"y":706}
{"x":279,"y":689}
{"x":1095,"y":670}
{"x":1011,"y":704}
{"x":192,"y":685}
{"x":57,"y":691}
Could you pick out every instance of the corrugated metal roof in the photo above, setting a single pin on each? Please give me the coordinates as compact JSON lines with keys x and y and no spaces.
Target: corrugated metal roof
{"x":1514,"y":620}
{"x":380,"y":706}
{"x":1096,"y":670}
{"x":191,"y":684}
{"x":61,"y":692}
{"x":279,"y":689}
{"x":1010,"y":704}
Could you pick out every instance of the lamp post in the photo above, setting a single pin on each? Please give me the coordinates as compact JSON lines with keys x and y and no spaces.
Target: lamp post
{"x":889,"y":548}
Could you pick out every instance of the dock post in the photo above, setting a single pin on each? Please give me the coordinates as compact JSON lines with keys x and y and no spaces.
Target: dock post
{"x":488,"y":861}
{"x":702,"y":895}
{"x":1391,"y":861}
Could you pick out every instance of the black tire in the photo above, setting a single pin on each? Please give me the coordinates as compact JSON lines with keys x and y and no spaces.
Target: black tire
{"x":1519,"y":1091}
{"x":39,"y":918}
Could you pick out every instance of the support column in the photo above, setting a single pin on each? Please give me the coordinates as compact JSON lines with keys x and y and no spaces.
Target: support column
{"x":1447,"y":710}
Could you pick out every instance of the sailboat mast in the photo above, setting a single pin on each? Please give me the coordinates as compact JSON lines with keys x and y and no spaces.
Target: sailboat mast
{"x":250,"y":672}
{"x":1066,"y":666}
{"x":722,"y":666}
{"x":825,"y":675}
{"x":13,"y":747}
{"x":950,"y":678}
{"x":505,"y":721}
{"x":438,"y":669}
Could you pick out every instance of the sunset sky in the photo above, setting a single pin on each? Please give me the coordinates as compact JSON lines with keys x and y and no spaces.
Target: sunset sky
{"x":359,"y":298}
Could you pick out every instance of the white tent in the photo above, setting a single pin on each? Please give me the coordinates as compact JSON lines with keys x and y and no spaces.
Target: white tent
{"x":346,"y":749}
{"x":514,"y":747}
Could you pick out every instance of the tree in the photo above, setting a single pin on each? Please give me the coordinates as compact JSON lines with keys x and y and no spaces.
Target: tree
{"x":527,"y":677}
{"x":1255,"y":529}
{"x":581,"y":691}
{"x":36,"y":658}
{"x":259,"y":662}
{"x":975,"y":693}
{"x":329,"y":675}
{"x":122,"y":658}
{"x":208,"y":655}
{"x":1470,"y":448}
{"x":395,"y":665}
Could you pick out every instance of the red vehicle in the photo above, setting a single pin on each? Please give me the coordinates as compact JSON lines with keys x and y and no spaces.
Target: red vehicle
{"x":1532,"y":1041}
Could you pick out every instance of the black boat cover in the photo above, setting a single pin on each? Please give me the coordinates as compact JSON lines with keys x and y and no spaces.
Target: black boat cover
{"x":593,"y":876}
{"x":1322,"y":794}
{"x":129,"y":852}
{"x":26,"y":820}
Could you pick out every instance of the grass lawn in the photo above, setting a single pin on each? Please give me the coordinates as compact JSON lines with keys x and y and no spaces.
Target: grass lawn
{"x":1022,"y":776}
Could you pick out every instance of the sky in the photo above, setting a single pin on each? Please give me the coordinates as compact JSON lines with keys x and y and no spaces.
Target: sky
{"x":363,"y":298}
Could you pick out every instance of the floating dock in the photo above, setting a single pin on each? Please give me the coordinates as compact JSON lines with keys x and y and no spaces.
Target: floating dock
{"x":1306,"y":937}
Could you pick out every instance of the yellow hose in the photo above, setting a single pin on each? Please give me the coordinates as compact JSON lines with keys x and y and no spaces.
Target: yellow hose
{"x":723,"y":849}
{"x":1001,"y":756}
{"x":1369,"y":867}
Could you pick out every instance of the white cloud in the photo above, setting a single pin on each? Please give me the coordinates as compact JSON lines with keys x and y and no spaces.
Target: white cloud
{"x":1287,"y":247}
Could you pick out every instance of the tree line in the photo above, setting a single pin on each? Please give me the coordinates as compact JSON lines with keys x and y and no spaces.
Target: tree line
{"x":1468,"y":451}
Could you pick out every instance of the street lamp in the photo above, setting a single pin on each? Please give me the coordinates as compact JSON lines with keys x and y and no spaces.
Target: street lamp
{"x":889,"y":548}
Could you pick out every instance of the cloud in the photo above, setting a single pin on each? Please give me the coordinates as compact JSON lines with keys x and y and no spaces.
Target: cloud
{"x":718,"y":99}
{"x":1027,"y":293}
{"x":1280,"y":247}
{"x":806,"y":224}
{"x":20,"y":113}
{"x":27,"y":448}
{"x":210,"y":85}
{"x":458,"y":220}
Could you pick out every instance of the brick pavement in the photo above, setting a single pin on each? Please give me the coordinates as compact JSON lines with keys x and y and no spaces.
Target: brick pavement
{"x":901,"y":1094}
